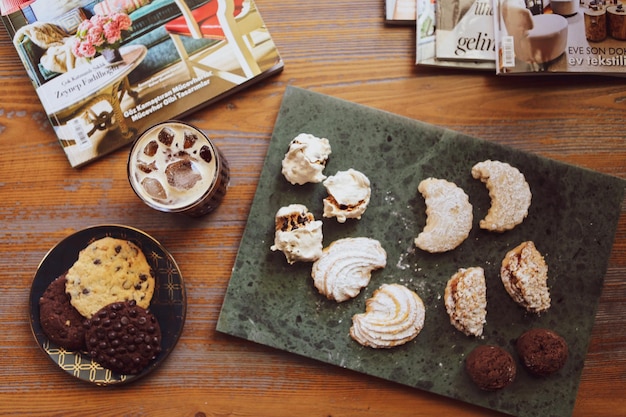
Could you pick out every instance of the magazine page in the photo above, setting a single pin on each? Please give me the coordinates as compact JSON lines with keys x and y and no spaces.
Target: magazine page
{"x":561,"y":36}
{"x":400,"y":12}
{"x":425,"y":30}
{"x":426,"y":41}
{"x":465,"y":30}
{"x":106,"y":70}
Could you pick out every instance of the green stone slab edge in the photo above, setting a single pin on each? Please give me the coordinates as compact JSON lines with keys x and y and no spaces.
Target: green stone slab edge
{"x":572,"y":220}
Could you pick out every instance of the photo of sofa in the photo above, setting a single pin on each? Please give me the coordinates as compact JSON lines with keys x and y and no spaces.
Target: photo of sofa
{"x":148,"y":29}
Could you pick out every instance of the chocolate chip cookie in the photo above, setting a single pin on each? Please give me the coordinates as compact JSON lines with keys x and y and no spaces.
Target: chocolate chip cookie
{"x":61,"y":323}
{"x":107,"y":271}
{"x":123,"y":337}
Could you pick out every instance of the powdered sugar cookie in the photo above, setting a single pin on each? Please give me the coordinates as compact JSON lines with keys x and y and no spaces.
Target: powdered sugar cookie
{"x":510,"y":195}
{"x":449,"y":216}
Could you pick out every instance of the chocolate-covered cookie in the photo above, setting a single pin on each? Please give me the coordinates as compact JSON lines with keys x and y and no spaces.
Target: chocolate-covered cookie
{"x":542,"y":351}
{"x":490,"y":367}
{"x":59,"y":320}
{"x":123,"y":337}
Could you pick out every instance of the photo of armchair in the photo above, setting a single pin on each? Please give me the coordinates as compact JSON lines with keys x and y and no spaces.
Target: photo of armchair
{"x":228,"y":23}
{"x":148,"y":17}
{"x":538,"y":39}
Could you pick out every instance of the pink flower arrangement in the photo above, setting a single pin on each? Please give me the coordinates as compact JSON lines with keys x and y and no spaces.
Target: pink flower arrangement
{"x":98,"y":33}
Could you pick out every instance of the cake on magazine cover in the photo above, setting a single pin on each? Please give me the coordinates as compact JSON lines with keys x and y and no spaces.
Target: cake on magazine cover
{"x":560,"y":36}
{"x":106,"y":70}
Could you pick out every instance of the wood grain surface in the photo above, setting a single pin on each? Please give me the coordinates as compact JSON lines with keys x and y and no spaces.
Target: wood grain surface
{"x":340,"y":48}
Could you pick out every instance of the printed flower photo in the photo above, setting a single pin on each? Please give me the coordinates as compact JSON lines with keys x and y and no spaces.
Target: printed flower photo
{"x":100,"y":33}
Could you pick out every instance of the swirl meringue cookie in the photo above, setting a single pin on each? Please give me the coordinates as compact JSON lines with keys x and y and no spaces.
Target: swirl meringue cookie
{"x":346,"y":266}
{"x":448,"y":216}
{"x":306,"y":159}
{"x":393,"y":316}
{"x":298,"y":235}
{"x":524,"y":274}
{"x":465,"y":298}
{"x":348,"y":195}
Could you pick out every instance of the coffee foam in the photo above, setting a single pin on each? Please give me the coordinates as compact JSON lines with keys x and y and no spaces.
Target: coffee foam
{"x":172,"y":166}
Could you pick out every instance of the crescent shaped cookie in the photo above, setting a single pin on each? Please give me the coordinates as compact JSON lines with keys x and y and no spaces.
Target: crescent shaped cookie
{"x":509,"y":192}
{"x":346,"y":266}
{"x":393,"y":316}
{"x":449,"y":216}
{"x":465,"y":298}
{"x":524,"y":274}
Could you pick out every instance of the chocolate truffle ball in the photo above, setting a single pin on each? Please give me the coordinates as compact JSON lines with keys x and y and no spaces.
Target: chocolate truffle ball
{"x":542,"y":351}
{"x":490,"y":367}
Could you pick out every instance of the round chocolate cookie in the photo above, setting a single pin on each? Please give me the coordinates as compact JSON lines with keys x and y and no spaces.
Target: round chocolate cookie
{"x":490,"y":367}
{"x":59,"y":320}
{"x":542,"y":351}
{"x":123,"y":337}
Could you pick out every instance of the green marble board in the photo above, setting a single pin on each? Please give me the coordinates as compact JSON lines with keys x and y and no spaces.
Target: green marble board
{"x":572,"y":220}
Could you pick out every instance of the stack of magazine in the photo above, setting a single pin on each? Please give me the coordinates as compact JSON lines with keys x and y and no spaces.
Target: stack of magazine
{"x":522,"y":36}
{"x":157,"y":60}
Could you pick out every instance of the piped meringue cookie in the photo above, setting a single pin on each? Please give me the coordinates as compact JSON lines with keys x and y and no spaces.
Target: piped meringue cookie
{"x":298,"y":235}
{"x":524,"y":274}
{"x":393,"y":316}
{"x":346,"y":266}
{"x":465,"y":298}
{"x":306,"y":159}
{"x":348,"y":195}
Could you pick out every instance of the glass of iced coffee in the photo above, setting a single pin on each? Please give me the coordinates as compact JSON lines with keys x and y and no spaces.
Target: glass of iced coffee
{"x":174,"y":167}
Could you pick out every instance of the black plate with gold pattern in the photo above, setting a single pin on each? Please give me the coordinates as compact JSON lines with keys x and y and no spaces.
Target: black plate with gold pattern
{"x":168,"y":303}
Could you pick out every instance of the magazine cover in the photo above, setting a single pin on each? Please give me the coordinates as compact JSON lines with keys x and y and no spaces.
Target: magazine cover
{"x":560,"y":36}
{"x":106,"y":70}
{"x":400,"y":12}
{"x":464,"y":30}
{"x":426,"y":42}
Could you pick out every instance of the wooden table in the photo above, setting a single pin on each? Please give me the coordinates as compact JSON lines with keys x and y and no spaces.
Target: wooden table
{"x":338,"y":48}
